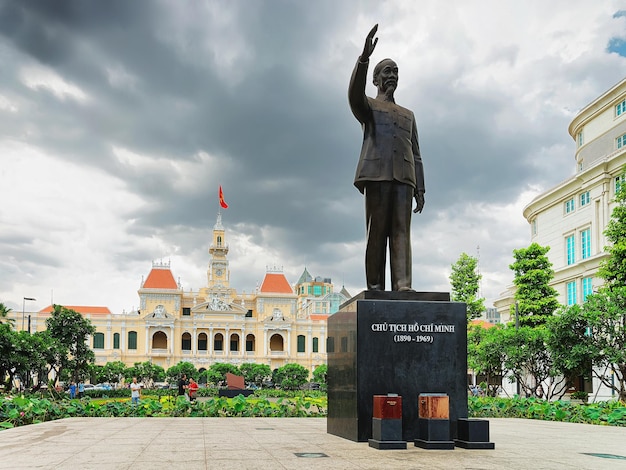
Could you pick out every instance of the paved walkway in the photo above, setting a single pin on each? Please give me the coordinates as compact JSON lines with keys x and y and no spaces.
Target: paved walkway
{"x":292,"y":443}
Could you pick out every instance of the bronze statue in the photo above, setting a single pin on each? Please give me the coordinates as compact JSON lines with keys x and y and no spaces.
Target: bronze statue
{"x":389,"y":173}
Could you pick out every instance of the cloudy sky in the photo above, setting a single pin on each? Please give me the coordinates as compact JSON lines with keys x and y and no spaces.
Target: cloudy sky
{"x":119,"y":120}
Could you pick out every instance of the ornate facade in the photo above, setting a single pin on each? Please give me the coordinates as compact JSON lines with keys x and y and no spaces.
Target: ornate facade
{"x":275,"y":325}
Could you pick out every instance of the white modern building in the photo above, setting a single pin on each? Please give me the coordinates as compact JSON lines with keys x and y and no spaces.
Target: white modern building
{"x":571,"y":217}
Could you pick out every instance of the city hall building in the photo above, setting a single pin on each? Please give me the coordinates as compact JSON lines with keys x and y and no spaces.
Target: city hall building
{"x":275,"y":325}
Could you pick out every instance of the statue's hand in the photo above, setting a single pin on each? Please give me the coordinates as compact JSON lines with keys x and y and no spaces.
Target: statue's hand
{"x":419,"y":200}
{"x":370,"y":44}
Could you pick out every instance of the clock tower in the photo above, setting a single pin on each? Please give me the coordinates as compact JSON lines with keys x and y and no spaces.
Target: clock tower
{"x":218,"y":275}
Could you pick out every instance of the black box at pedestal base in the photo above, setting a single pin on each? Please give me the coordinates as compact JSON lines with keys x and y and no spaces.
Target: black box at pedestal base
{"x":394,"y":342}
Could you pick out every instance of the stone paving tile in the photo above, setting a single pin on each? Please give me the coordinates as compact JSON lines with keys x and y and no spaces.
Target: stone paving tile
{"x":259,"y":443}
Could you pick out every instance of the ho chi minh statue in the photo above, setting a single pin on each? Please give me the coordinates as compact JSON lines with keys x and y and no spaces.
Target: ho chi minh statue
{"x":389,"y":173}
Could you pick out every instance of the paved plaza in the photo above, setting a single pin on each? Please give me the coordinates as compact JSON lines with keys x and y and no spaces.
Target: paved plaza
{"x":293,"y":443}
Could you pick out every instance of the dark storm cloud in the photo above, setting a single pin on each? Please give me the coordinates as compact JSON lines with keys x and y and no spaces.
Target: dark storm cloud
{"x":252,"y":95}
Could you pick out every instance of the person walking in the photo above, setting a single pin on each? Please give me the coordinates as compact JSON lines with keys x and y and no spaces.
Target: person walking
{"x":73,"y":390}
{"x":182,"y":385}
{"x":193,"y":389}
{"x":81,"y":389}
{"x":135,"y":391}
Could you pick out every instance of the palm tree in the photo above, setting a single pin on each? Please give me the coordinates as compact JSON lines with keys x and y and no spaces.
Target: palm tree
{"x":4,"y":315}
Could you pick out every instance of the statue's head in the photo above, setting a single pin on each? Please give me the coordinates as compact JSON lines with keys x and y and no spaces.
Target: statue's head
{"x":385,"y":76}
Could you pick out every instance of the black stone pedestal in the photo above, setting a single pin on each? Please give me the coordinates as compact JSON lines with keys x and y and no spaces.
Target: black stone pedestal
{"x":387,"y":434}
{"x":434,"y":434}
{"x":473,"y":434}
{"x":402,"y":342}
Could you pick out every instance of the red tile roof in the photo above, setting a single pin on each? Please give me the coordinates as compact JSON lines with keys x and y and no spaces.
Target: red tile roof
{"x":318,"y":316}
{"x":276,"y":283}
{"x":82,"y":309}
{"x":160,"y":279}
{"x":482,"y":323}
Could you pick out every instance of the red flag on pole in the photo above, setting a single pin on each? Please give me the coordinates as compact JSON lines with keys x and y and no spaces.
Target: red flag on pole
{"x":222,"y":202}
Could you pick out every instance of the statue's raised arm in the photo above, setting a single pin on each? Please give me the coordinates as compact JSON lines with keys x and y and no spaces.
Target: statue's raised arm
{"x":370,"y":44}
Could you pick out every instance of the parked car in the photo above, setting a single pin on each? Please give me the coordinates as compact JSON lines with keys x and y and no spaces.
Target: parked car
{"x":103,"y":386}
{"x":310,"y":386}
{"x":90,"y":387}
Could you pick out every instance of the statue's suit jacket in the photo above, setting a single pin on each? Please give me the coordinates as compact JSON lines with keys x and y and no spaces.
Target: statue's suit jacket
{"x":390,"y":150}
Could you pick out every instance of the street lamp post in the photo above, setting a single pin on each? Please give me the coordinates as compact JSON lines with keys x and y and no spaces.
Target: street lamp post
{"x":24,"y":309}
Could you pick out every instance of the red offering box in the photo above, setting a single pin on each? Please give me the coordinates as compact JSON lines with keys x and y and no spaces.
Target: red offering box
{"x":387,"y":407}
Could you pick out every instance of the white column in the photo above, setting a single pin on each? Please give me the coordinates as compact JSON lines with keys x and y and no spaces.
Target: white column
{"x":210,"y":345}
{"x":266,"y":346}
{"x":227,"y":342}
{"x":172,"y":340}
{"x":147,"y":340}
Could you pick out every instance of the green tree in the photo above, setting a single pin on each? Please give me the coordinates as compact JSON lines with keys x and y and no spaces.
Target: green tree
{"x":255,"y":373}
{"x":569,"y":344}
{"x":4,"y":315}
{"x":113,"y":372}
{"x":465,"y":283}
{"x":605,"y":315}
{"x":537,"y":300}
{"x":605,"y":312}
{"x":529,"y":361}
{"x":70,"y":331}
{"x":216,"y":374}
{"x":320,"y":376}
{"x":7,"y":351}
{"x":290,"y":376}
{"x":182,"y":368}
{"x":147,"y":373}
{"x":486,"y":355}
{"x":613,"y":268}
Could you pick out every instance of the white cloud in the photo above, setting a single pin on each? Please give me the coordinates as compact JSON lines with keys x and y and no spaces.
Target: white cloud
{"x":38,"y":77}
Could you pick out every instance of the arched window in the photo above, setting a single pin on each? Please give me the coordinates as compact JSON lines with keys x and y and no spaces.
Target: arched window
{"x":159,"y":340}
{"x":218,"y":342}
{"x":219,"y":241}
{"x":250,"y":343}
{"x":186,"y":342}
{"x":301,"y":341}
{"x":98,"y":341}
{"x":234,"y":342}
{"x":276,"y":343}
{"x":132,"y":340}
{"x":316,"y":343}
{"x":202,"y":342}
{"x":116,"y":340}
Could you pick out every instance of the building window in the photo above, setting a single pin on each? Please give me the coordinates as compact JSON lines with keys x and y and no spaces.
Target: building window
{"x":570,"y":249}
{"x":618,"y":183}
{"x":132,"y":340}
{"x":234,"y":342}
{"x":301,"y":340}
{"x":620,"y":108}
{"x":218,"y":342}
{"x":250,"y":343}
{"x":116,"y":340}
{"x":580,"y":138}
{"x":98,"y":341}
{"x":571,"y":293}
{"x":621,"y":141}
{"x":202,"y":342}
{"x":316,"y":344}
{"x":584,"y":198}
{"x":585,"y":243}
{"x":534,"y":226}
{"x":587,"y":287}
{"x":570,"y":205}
{"x":186,"y":342}
{"x":186,"y":311}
